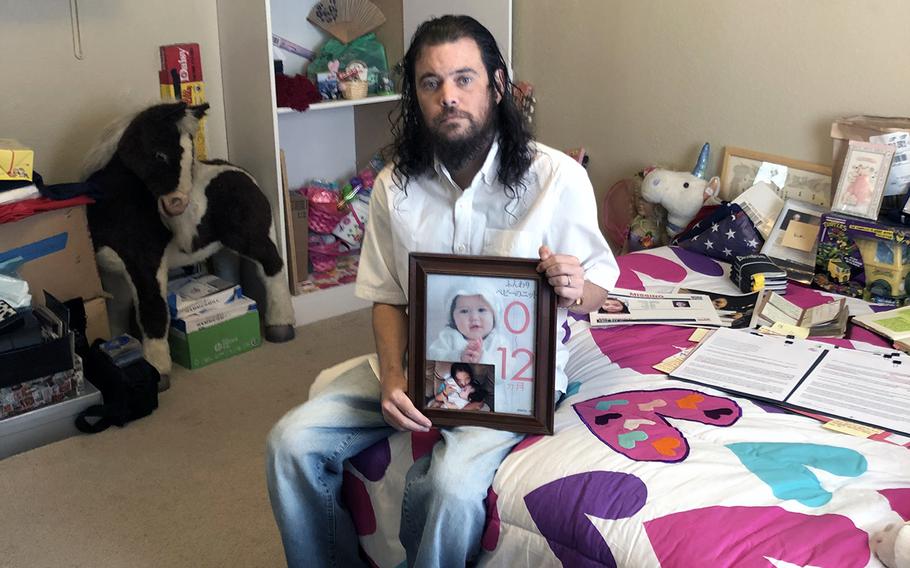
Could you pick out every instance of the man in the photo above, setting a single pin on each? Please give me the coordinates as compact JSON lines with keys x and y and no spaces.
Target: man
{"x":466,"y":179}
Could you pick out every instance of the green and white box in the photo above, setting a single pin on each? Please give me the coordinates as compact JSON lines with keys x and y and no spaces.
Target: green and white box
{"x":217,"y":342}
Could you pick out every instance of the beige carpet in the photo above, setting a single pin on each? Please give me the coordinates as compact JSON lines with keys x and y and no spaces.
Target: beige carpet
{"x":182,"y":487}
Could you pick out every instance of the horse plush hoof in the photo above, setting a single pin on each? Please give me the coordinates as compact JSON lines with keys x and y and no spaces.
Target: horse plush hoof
{"x":164,"y":383}
{"x":279,"y":333}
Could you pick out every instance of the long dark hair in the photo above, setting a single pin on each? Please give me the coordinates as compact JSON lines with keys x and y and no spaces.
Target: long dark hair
{"x":411,"y":144}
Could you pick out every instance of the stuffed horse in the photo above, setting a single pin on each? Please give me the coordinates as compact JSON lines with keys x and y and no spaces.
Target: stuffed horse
{"x":161,"y":208}
{"x":681,"y":194}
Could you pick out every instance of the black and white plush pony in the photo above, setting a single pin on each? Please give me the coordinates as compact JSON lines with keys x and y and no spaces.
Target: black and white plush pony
{"x":163,"y":208}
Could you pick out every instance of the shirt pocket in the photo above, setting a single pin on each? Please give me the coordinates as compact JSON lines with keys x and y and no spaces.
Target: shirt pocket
{"x":522,"y":244}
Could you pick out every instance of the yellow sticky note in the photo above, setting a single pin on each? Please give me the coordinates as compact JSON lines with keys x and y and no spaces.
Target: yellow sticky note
{"x":851,"y":428}
{"x":758,"y":282}
{"x":786,"y":329}
{"x":671,"y":363}
{"x":699,"y":334}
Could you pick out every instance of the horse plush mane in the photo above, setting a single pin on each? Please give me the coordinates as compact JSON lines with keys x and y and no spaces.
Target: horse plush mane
{"x":161,"y":208}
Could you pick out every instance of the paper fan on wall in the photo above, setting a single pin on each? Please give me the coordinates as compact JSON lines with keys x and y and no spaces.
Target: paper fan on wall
{"x":346,"y":19}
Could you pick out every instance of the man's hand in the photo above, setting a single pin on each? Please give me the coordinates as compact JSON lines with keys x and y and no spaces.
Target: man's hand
{"x":472,"y":351}
{"x":397,"y":409}
{"x":564,"y":273}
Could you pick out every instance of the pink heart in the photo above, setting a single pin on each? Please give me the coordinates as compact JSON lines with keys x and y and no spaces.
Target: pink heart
{"x":333,"y":66}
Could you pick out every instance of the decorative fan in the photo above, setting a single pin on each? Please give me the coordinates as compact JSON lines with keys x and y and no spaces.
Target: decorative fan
{"x":346,"y":19}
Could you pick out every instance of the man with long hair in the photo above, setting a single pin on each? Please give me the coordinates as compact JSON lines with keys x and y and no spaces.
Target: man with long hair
{"x":466,"y":178}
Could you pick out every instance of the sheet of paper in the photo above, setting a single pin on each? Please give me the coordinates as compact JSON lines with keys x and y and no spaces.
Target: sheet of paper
{"x":762,"y":205}
{"x":764,"y":366}
{"x":777,"y":309}
{"x":845,"y":427}
{"x":634,"y":306}
{"x":822,"y":313}
{"x":859,"y":386}
{"x":786,"y":329}
{"x":899,"y":174}
{"x":800,"y":236}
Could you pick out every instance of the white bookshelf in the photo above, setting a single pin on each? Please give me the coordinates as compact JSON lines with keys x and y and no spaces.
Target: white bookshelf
{"x":343,"y":103}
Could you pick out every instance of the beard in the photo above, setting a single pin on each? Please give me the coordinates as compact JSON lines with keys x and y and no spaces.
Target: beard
{"x":457,"y":152}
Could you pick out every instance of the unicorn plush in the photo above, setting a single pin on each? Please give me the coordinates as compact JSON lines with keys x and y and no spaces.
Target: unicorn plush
{"x":160,"y":207}
{"x":681,"y":194}
{"x":892,"y":545}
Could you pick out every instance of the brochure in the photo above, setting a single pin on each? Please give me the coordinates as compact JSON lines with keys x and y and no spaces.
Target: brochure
{"x":733,"y":311}
{"x":806,"y":375}
{"x":624,"y":307}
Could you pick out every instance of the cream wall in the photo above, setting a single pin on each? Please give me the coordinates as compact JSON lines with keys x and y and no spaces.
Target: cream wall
{"x":647,"y":81}
{"x":59,"y":105}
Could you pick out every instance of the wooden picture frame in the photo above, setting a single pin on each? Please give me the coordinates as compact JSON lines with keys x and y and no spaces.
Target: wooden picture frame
{"x":496,"y":316}
{"x":861,"y":185}
{"x":797,"y":179}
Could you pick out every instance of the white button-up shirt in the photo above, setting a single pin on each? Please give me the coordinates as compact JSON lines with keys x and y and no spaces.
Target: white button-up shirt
{"x":557,"y":209}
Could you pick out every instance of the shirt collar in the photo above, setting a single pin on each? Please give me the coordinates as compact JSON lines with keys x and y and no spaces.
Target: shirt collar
{"x":488,"y":170}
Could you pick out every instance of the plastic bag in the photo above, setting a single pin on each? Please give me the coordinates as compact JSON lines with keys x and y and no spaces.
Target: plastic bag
{"x":365,"y":49}
{"x":14,"y":291}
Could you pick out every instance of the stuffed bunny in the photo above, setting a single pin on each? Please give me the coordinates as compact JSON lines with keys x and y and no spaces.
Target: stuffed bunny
{"x":892,"y":545}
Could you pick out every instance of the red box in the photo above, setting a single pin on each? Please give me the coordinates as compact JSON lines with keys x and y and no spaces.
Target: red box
{"x":182,"y":57}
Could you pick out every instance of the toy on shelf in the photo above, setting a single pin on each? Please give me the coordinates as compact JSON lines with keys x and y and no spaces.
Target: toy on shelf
{"x":665,"y":202}
{"x":863,"y":259}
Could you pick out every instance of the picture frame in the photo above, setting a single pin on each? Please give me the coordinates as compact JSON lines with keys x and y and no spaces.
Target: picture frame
{"x":793,"y":241}
{"x":482,"y":342}
{"x":794,"y":179}
{"x":861,"y":186}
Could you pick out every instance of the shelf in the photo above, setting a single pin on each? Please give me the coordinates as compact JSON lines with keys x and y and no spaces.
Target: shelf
{"x":343,"y":103}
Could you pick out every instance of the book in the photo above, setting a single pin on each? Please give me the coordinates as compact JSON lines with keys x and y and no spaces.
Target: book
{"x":867,"y":387}
{"x":892,"y":324}
{"x":623,"y":307}
{"x":755,"y":272}
{"x":188,"y":295}
{"x":824,"y":320}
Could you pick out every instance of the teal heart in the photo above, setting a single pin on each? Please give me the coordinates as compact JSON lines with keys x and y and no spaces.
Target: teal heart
{"x":606,"y":404}
{"x":629,"y":439}
{"x":783,"y":467}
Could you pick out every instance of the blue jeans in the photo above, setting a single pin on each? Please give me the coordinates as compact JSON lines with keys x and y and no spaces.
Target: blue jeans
{"x":442,"y":514}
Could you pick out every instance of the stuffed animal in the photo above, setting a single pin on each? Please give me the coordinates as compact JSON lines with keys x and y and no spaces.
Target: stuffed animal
{"x":648,"y":228}
{"x":681,"y":194}
{"x":892,"y":545}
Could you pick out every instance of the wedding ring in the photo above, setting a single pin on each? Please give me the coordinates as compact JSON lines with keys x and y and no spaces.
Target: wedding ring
{"x":569,"y":279}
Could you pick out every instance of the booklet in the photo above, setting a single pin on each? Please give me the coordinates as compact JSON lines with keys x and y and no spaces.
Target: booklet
{"x":871,"y":388}
{"x":825,"y":320}
{"x":623,"y":307}
{"x":733,"y":310}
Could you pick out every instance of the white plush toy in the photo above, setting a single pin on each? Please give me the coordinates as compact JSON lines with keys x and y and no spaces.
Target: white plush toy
{"x":682,"y":194}
{"x":892,"y":545}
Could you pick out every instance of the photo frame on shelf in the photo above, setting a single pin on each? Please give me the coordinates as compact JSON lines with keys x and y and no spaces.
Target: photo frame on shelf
{"x":794,"y":179}
{"x":482,"y":342}
{"x":794,"y":239}
{"x":861,"y":186}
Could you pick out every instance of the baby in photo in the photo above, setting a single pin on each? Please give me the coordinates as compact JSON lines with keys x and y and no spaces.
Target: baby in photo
{"x":471,"y":335}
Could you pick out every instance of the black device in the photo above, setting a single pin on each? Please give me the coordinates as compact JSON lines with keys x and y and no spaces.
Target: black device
{"x":10,"y":319}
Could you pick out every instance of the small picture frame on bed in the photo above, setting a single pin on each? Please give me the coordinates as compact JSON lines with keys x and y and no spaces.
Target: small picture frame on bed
{"x":482,"y":342}
{"x":794,"y":239}
{"x":862,"y":180}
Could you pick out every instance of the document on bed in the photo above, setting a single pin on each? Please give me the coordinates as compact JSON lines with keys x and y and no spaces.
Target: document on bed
{"x":869,"y":388}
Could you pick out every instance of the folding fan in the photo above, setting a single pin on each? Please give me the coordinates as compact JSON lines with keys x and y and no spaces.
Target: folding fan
{"x":346,"y":19}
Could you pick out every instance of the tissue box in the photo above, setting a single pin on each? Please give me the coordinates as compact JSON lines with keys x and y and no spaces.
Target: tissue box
{"x":16,"y":161}
{"x":215,"y":343}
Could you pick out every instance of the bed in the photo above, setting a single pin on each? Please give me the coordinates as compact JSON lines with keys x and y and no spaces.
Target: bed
{"x":648,"y":471}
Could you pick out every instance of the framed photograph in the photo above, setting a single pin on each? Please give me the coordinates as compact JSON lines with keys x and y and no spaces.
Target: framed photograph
{"x":482,"y":342}
{"x":862,"y":181}
{"x":794,"y":239}
{"x":793,"y":179}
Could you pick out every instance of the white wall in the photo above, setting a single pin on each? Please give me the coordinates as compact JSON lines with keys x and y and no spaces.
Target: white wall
{"x":651,"y":80}
{"x":59,"y":105}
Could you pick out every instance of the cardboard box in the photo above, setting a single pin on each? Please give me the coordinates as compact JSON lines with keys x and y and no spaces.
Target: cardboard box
{"x":181,"y":70}
{"x":212,"y":344}
{"x":58,"y":253}
{"x":97,"y":325}
{"x":45,"y":425}
{"x":863,"y":259}
{"x":860,"y":127}
{"x":16,"y":161}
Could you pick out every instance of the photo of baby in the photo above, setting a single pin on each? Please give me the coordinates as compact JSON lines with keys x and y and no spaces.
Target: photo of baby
{"x":460,"y":386}
{"x":487,"y":324}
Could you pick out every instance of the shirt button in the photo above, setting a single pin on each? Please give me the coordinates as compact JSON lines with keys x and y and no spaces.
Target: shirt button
{"x":460,"y":248}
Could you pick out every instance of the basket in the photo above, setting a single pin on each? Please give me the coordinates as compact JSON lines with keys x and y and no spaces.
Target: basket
{"x":324,"y":214}
{"x":324,"y":256}
{"x":354,"y":89}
